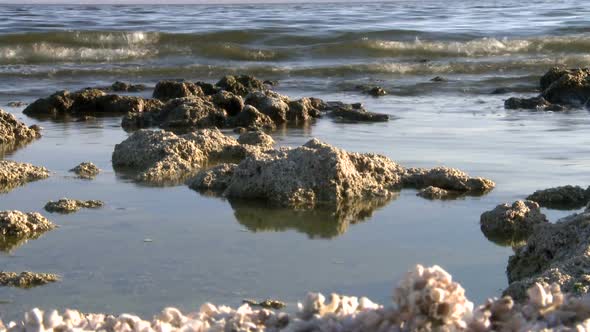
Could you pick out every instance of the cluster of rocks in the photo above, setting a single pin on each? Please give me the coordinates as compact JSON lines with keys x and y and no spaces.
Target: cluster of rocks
{"x":564,"y":197}
{"x":561,"y":89}
{"x":512,"y":224}
{"x":66,"y":205}
{"x":86,"y":170}
{"x":14,"y":133}
{"x":427,"y":299}
{"x":14,"y":174}
{"x":26,"y":279}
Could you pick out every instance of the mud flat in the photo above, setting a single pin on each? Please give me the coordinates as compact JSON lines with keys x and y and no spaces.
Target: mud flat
{"x":427,"y":299}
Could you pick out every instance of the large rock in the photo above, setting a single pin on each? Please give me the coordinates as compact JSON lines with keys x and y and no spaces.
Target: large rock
{"x":251,"y":118}
{"x":14,"y":174}
{"x":554,"y":253}
{"x":565,"y":197}
{"x":14,"y":132}
{"x":304,"y":109}
{"x":511,"y":223}
{"x":58,"y":103}
{"x":166,"y":90}
{"x":240,"y":85}
{"x":164,"y":157}
{"x":567,"y":86}
{"x":274,"y":105}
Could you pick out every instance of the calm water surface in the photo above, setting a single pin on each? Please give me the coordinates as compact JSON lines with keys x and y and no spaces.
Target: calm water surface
{"x":209,"y":249}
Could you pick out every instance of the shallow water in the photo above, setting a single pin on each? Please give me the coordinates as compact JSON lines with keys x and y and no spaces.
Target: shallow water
{"x":208,"y":249}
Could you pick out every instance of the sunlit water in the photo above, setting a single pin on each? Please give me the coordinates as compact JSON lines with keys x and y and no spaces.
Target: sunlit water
{"x":208,"y":249}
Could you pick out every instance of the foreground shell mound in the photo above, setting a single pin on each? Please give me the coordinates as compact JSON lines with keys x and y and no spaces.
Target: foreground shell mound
{"x":164,"y":157}
{"x":14,"y":133}
{"x":16,"y":228}
{"x":554,"y":253}
{"x":14,"y":174}
{"x":427,"y":299}
{"x":320,"y":174}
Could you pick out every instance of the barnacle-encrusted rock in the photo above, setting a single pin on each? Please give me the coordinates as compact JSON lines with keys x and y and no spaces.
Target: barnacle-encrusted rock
{"x":19,"y":224}
{"x":14,"y":132}
{"x":165,"y":90}
{"x":256,"y":138}
{"x":567,"y":86}
{"x":26,"y":279}
{"x":554,"y":253}
{"x":66,"y":205}
{"x":304,"y":109}
{"x":565,"y":197}
{"x":163,"y":156}
{"x":86,"y":170}
{"x":450,"y":179}
{"x":250,"y":117}
{"x":274,"y":105}
{"x":231,"y":103}
{"x":240,"y":85}
{"x":14,"y":174}
{"x":57,"y":103}
{"x":512,"y":222}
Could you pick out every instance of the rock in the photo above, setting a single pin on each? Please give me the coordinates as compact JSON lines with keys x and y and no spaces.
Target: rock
{"x":207,"y":88}
{"x":535,"y":103}
{"x":26,"y":279}
{"x":241,"y":85}
{"x":86,"y":170}
{"x":267,"y":304}
{"x":256,"y":138}
{"x":166,"y":90}
{"x":431,"y":192}
{"x":66,"y":205}
{"x":354,"y":113}
{"x":438,"y":79}
{"x":119,"y":86}
{"x":16,"y":103}
{"x":14,"y":174}
{"x":500,"y":91}
{"x":567,"y":86}
{"x":315,"y":173}
{"x":556,"y":253}
{"x":214,"y":179}
{"x":14,"y":132}
{"x":511,"y":222}
{"x":303,"y":110}
{"x":240,"y":130}
{"x":377,"y":91}
{"x":19,"y":224}
{"x":163,"y":157}
{"x":56,"y":104}
{"x":270,"y":103}
{"x":87,"y":100}
{"x":566,"y":197}
{"x":449,"y":179}
{"x":250,"y":117}
{"x":231,"y":103}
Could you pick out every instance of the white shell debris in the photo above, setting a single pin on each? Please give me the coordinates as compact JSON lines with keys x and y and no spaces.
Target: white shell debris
{"x":427,"y":299}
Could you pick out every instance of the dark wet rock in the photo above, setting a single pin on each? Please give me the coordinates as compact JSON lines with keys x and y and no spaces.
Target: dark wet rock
{"x":256,"y":138}
{"x":375,"y":91}
{"x":512,"y":221}
{"x":303,"y":110}
{"x":267,"y":304}
{"x":207,"y":88}
{"x":86,"y":170}
{"x":431,"y":192}
{"x":270,"y":103}
{"x":231,"y":103}
{"x":166,"y":90}
{"x":438,"y":79}
{"x":554,"y":253}
{"x":15,"y":133}
{"x":565,"y":197}
{"x":14,"y":174}
{"x":26,"y":279}
{"x":250,"y":117}
{"x":567,"y":86}
{"x":58,"y":103}
{"x":163,"y":157}
{"x":66,"y":205}
{"x":119,"y":86}
{"x":16,"y":103}
{"x":353,"y":113}
{"x":500,"y":91}
{"x":535,"y":103}
{"x":449,"y":179}
{"x":241,"y":85}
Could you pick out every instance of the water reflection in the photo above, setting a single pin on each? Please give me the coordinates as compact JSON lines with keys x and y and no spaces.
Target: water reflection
{"x":321,"y":223}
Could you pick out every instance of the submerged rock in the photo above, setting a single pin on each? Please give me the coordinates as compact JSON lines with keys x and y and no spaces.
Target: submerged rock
{"x":14,"y":133}
{"x":565,"y":197}
{"x":119,"y":86}
{"x":240,"y":85}
{"x":26,"y":279}
{"x":66,"y":205}
{"x":535,"y":103}
{"x":375,"y":91}
{"x":431,"y":192}
{"x":267,"y":304}
{"x":554,"y":253}
{"x":16,"y":103}
{"x":166,"y":90}
{"x":86,"y":170}
{"x":19,"y":224}
{"x":256,"y":138}
{"x":353,"y":113}
{"x":512,"y":223}
{"x":567,"y":86}
{"x":162,"y":156}
{"x":14,"y":174}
